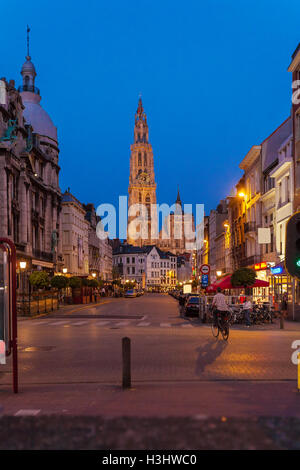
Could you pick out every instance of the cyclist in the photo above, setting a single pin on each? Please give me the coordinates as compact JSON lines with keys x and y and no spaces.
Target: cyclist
{"x":219,"y":305}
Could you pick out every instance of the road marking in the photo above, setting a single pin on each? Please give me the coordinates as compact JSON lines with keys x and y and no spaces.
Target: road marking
{"x":41,"y":322}
{"x":187,"y":325}
{"x":123,"y":323}
{"x":79,"y":323}
{"x":27,"y":412}
{"x":165,"y":325}
{"x":58,"y":323}
{"x":101,"y":323}
{"x":143,"y":324}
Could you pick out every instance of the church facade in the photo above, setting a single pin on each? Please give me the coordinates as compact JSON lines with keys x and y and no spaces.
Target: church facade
{"x":143,"y":216}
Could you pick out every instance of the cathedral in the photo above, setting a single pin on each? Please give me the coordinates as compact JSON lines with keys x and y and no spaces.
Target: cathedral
{"x":142,"y":186}
{"x":143,"y":218}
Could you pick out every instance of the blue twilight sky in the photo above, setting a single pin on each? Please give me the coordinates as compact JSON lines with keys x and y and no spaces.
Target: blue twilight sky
{"x":213,"y":77}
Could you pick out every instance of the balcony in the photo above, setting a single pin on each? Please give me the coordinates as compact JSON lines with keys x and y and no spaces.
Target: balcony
{"x":31,"y":88}
{"x":250,"y":261}
{"x":42,"y":255}
{"x":249,"y":227}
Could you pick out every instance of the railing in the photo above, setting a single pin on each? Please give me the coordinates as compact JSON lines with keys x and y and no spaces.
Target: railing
{"x":250,"y":260}
{"x":249,"y":227}
{"x":20,"y":246}
{"x":31,"y":88}
{"x":35,"y":303}
{"x":42,"y":254}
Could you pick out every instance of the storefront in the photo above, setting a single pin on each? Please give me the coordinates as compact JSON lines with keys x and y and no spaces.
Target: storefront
{"x":280,"y":282}
{"x":262,"y":294}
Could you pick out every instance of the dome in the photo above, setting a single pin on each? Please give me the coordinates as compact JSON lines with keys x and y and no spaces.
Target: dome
{"x":28,"y":67}
{"x":33,"y":113}
{"x":40,"y":120}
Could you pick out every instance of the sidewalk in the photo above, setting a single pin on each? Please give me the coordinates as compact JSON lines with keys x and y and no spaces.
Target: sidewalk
{"x":69,"y":309}
{"x":78,"y":433}
{"x":165,"y":398}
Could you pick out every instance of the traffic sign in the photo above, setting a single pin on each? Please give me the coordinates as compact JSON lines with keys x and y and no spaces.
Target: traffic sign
{"x":205,"y":269}
{"x":204,"y":279}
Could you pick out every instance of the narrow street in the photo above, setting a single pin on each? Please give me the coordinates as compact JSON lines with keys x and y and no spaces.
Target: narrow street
{"x":70,"y":363}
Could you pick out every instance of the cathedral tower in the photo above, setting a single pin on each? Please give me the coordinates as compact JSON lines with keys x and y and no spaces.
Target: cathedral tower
{"x":142,"y":186}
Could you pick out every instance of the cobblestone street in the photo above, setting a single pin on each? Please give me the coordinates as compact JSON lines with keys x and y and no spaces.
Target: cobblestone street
{"x":72,"y":365}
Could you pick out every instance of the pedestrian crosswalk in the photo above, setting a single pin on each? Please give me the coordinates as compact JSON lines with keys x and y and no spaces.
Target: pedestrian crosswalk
{"x":116,"y":324}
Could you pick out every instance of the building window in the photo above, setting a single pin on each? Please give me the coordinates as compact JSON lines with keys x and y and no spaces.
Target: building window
{"x":140,"y":159}
{"x":272,"y":242}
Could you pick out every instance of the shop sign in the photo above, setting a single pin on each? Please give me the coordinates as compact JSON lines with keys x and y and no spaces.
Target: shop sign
{"x":277,"y":270}
{"x":259,"y":266}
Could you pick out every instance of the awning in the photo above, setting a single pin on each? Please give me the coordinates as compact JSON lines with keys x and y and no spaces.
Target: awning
{"x":43,"y":264}
{"x":225,"y":283}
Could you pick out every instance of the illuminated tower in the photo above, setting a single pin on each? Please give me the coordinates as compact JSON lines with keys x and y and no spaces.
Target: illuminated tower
{"x":142,"y":186}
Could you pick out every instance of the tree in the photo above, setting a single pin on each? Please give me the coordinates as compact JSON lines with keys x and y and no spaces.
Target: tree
{"x":39,"y":279}
{"x":93,"y":283}
{"x":60,"y":282}
{"x":75,"y":282}
{"x":85,"y":282}
{"x":243,"y":277}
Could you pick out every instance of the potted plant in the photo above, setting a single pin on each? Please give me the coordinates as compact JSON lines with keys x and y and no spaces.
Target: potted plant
{"x":75,"y":284}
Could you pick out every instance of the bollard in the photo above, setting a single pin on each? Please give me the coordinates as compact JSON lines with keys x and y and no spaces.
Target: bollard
{"x":281,"y":322}
{"x":126,"y":356}
{"x":298,"y":365}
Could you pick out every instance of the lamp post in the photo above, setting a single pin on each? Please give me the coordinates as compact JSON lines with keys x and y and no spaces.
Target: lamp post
{"x":23,"y":265}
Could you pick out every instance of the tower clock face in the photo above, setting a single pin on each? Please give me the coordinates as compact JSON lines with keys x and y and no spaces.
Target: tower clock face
{"x":143,"y":177}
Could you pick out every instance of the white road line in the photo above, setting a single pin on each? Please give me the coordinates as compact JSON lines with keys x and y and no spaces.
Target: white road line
{"x":27,"y":412}
{"x":101,"y":323}
{"x":165,"y":325}
{"x":187,"y":325}
{"x":143,"y":324}
{"x":41,"y":322}
{"x":123,"y":323}
{"x":79,"y":323}
{"x":58,"y":323}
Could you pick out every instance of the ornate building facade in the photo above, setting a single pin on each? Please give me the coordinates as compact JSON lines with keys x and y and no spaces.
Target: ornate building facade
{"x":100,"y":251}
{"x":142,"y":186}
{"x":30,"y":197}
{"x":178,"y":232}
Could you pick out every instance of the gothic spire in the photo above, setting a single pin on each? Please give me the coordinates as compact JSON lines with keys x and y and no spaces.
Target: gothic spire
{"x":178,"y":200}
{"x":140,"y":110}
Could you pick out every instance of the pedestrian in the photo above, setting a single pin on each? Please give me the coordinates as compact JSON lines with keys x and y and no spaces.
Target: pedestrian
{"x":284,"y":305}
{"x":247,"y":306}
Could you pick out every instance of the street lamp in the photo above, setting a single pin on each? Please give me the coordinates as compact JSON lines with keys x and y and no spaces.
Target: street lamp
{"x":23,"y":264}
{"x":94,"y":275}
{"x":219,"y":273}
{"x":65,"y":270}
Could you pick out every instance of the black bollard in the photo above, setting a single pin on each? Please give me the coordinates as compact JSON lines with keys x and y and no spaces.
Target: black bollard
{"x":126,"y":355}
{"x":281,"y":322}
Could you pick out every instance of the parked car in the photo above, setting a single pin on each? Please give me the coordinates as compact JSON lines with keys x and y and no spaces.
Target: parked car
{"x":192,"y":306}
{"x":130,"y":293}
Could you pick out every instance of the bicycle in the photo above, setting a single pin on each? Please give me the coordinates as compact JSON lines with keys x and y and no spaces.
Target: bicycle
{"x":223,"y":324}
